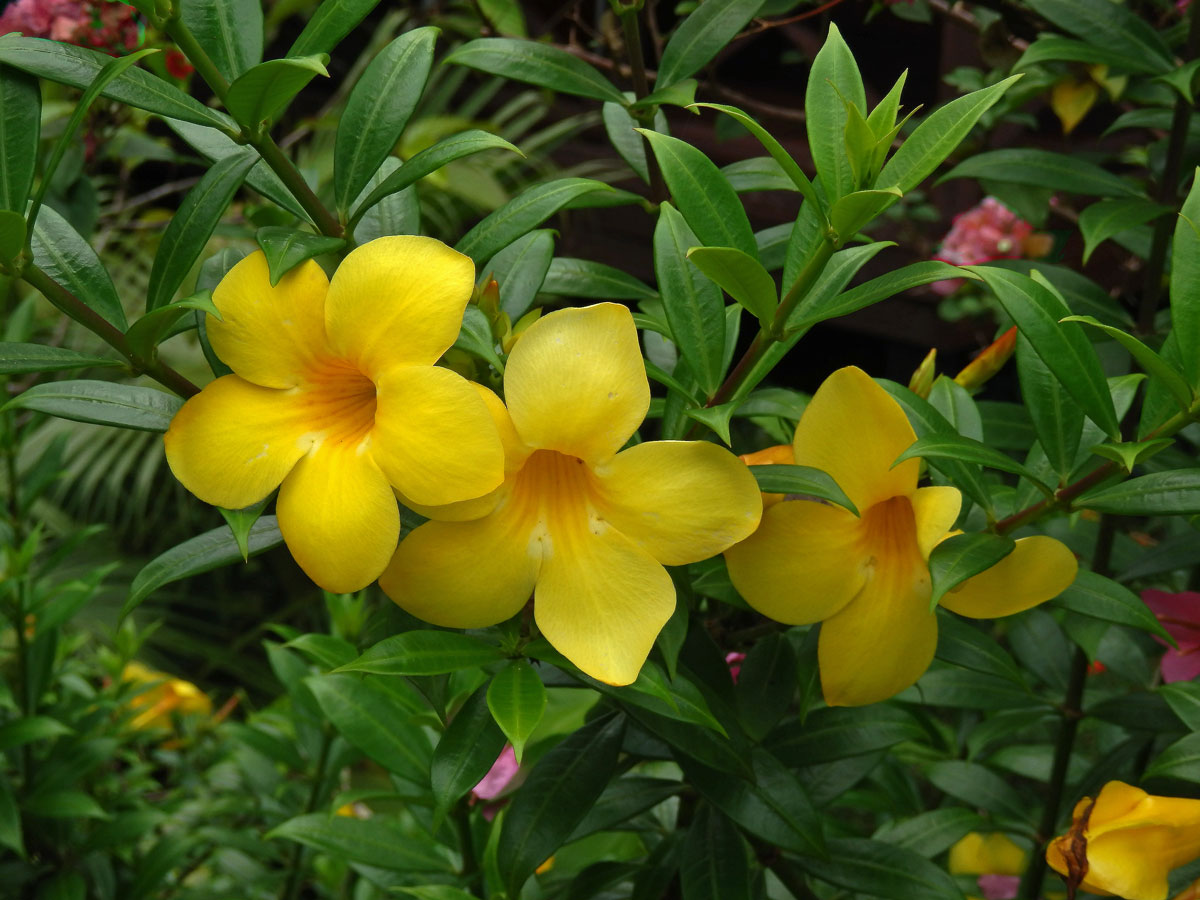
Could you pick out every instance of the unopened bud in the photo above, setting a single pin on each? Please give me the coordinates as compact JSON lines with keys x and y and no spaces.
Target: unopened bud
{"x":990,"y":361}
{"x":921,"y":382}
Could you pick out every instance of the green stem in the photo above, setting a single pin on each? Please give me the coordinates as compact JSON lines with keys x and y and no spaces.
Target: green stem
{"x":641,"y":88}
{"x":291,"y":887}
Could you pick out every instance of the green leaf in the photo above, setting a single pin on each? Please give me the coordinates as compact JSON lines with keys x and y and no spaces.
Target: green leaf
{"x":957,"y":446}
{"x":10,"y":820}
{"x":589,"y":280}
{"x":145,"y":334}
{"x":930,"y":833}
{"x":622,"y":800}
{"x":525,"y":211}
{"x":203,"y":553}
{"x":367,"y":714}
{"x":974,"y":648}
{"x":101,"y":403}
{"x":938,"y":135}
{"x":535,"y":63}
{"x":881,"y":870}
{"x":28,"y":729}
{"x":804,"y":480}
{"x":378,"y":109}
{"x":1180,"y":760}
{"x":20,"y":129}
{"x":60,"y":251}
{"x":261,"y":93}
{"x":1066,"y":352}
{"x":853,"y":211}
{"x":833,"y":305}
{"x":192,"y":226}
{"x":476,"y":337}
{"x":397,"y":213}
{"x":1109,"y":26}
{"x":1057,"y":419}
{"x":240,"y":521}
{"x":758,"y":173}
{"x":333,"y":20}
{"x":708,"y":202}
{"x":373,"y":842}
{"x":329,"y":652}
{"x":701,"y":35}
{"x":63,"y":804}
{"x":22,"y":359}
{"x":555,"y":798}
{"x":285,"y":248}
{"x":832,"y":733}
{"x":681,"y":93}
{"x":1153,"y":364}
{"x":466,"y":752}
{"x":716,"y":418}
{"x":1185,"y":284}
{"x":425,"y":653}
{"x":742,"y":277}
{"x":520,"y":270}
{"x":1130,"y":453}
{"x":978,"y":786}
{"x":714,"y":864}
{"x":1184,"y":699}
{"x":1041,"y":168}
{"x":833,"y":83}
{"x":430,"y":160}
{"x":1174,"y":493}
{"x":506,"y":18}
{"x":1102,"y":598}
{"x":12,"y":236}
{"x":517,"y":699}
{"x":1055,"y":48}
{"x":230,"y":31}
{"x":1103,"y":220}
{"x":958,"y":558}
{"x":78,"y":67}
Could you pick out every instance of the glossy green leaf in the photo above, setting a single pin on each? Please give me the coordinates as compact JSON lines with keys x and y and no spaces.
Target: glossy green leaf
{"x":758,"y":173}
{"x":1184,"y":699}
{"x":589,"y":280}
{"x":854,"y":211}
{"x":1130,"y":453}
{"x":534,"y":63}
{"x":1042,"y":168}
{"x":467,"y":750}
{"x":21,"y":359}
{"x":766,"y":685}
{"x":101,"y":403}
{"x":396,"y":213}
{"x":833,"y":82}
{"x":263,"y":92}
{"x":1153,"y":364}
{"x":190,"y":227}
{"x":476,"y":337}
{"x":714,"y":864}
{"x":29,"y":729}
{"x":203,"y":553}
{"x":425,"y":653}
{"x":555,"y":797}
{"x":832,"y":305}
{"x":708,"y":202}
{"x":1102,"y":598}
{"x":520,"y":270}
{"x":1065,"y":351}
{"x":373,"y":842}
{"x":332,"y":21}
{"x":1057,"y":419}
{"x":145,"y":334}
{"x":1055,"y":48}
{"x":1107,"y":218}
{"x":517,"y":699}
{"x":701,"y":35}
{"x":932,"y":832}
{"x":979,"y":786}
{"x":956,"y":446}
{"x":967,"y":645}
{"x":958,"y":558}
{"x":1185,"y":283}
{"x":881,"y":870}
{"x":1173,"y":493}
{"x":938,"y":135}
{"x":506,"y":16}
{"x":803,"y":480}
{"x":1115,"y":28}
{"x":742,"y":277}
{"x":681,"y":93}
{"x":12,"y":236}
{"x":622,"y":800}
{"x":329,"y":652}
{"x":378,"y":109}
{"x":1179,"y":760}
{"x":285,"y":248}
{"x":832,"y":733}
{"x":20,"y":129}
{"x":525,"y":211}
{"x":230,"y":31}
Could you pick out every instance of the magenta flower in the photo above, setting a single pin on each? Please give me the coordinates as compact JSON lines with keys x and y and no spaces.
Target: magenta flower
{"x":734,"y":661}
{"x":1180,"y":616}
{"x":86,"y":23}
{"x":983,"y":233}
{"x":496,"y":781}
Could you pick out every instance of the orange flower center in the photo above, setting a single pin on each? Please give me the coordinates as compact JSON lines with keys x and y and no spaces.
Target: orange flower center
{"x":341,"y":402}
{"x":554,"y":495}
{"x":889,"y":538}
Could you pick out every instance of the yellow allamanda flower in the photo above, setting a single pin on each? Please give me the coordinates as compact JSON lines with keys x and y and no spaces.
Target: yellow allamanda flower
{"x":166,"y":695}
{"x":866,"y":577}
{"x":1126,"y":842}
{"x":583,"y":526}
{"x":335,"y":396}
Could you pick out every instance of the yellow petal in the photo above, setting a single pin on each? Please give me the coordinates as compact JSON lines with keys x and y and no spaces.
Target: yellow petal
{"x":880,"y":643}
{"x":601,"y":601}
{"x":986,"y":854}
{"x":270,"y":335}
{"x":1133,"y":863}
{"x":233,"y":443}
{"x":680,"y":501}
{"x":803,"y":564}
{"x":465,"y":574}
{"x":398,"y":301}
{"x":576,"y":383}
{"x":339,"y":517}
{"x":934,"y":511}
{"x":1038,"y":569}
{"x":434,"y":437}
{"x":854,"y":430}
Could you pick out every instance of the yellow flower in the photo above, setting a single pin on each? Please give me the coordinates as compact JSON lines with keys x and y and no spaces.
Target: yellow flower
{"x":164,"y":696}
{"x":589,"y":527}
{"x":1126,"y":842}
{"x":986,"y":854}
{"x":336,"y":396}
{"x":866,"y":578}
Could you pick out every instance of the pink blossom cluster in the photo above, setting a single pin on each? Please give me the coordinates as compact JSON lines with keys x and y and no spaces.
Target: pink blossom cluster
{"x":981,"y":234}
{"x":1180,"y":616}
{"x":85,"y":23}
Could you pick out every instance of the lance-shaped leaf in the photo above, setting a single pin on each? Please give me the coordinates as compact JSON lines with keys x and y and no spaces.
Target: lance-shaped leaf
{"x":424,"y":653}
{"x":1041,"y":168}
{"x":535,"y":63}
{"x":230,"y":31}
{"x":476,"y":337}
{"x":681,"y":93}
{"x":13,"y":232}
{"x":831,"y":305}
{"x":1185,"y":283}
{"x":568,"y":277}
{"x":190,"y":228}
{"x":701,"y":35}
{"x":881,"y":870}
{"x":62,"y":253}
{"x":852,"y":212}
{"x":1056,"y":48}
{"x":377,"y":841}
{"x":101,"y":403}
{"x":958,"y":558}
{"x":285,"y":248}
{"x":261,"y":93}
{"x":22,"y":359}
{"x":377,"y":110}
{"x":20,"y":128}
{"x":155,"y":326}
{"x":333,"y":20}
{"x":1114,"y":28}
{"x":468,"y":748}
{"x":1130,"y":453}
{"x":1174,"y":493}
{"x":520,"y":269}
{"x":803,"y":480}
{"x":741,"y":276}
{"x":834,"y":83}
{"x":1103,"y":220}
{"x":1102,"y":598}
{"x":714,"y":862}
{"x":517,"y":699}
{"x":1057,"y":419}
{"x":957,"y":446}
{"x":1153,"y":364}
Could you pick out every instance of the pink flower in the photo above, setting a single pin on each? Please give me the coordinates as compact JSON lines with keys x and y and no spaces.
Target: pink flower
{"x":85,"y":23}
{"x":734,"y":661}
{"x":981,"y":234}
{"x":999,"y":887}
{"x":1180,"y":616}
{"x":496,"y":781}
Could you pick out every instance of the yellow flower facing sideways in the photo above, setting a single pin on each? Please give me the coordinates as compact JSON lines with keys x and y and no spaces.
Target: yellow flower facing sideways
{"x":866,"y":577}
{"x":1126,"y":842}
{"x":335,"y":396}
{"x":584,"y":527}
{"x":164,"y":696}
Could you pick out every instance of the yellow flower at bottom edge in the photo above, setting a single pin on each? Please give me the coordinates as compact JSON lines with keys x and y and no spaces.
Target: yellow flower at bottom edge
{"x":583,"y":526}
{"x":164,"y":696}
{"x":866,"y":577}
{"x":986,"y":854}
{"x":1126,"y":842}
{"x":335,"y":395}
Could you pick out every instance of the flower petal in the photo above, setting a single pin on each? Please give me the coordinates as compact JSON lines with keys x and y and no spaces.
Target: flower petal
{"x":398,"y":301}
{"x":803,"y":564}
{"x":575,"y":382}
{"x":1039,"y":569}
{"x":270,"y":335}
{"x":934,"y":512}
{"x":1182,"y":664}
{"x":233,"y":443}
{"x":882,"y":642}
{"x":434,"y":437}
{"x":465,"y":574}
{"x":1133,"y":863}
{"x":339,"y":517}
{"x":601,"y":601}
{"x":854,"y":430}
{"x":680,"y":501}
